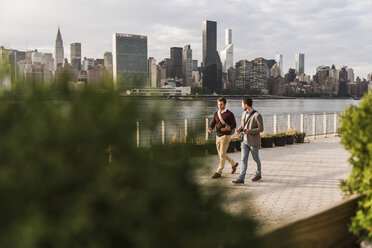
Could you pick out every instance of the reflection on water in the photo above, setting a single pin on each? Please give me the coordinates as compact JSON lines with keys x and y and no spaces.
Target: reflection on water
{"x":176,"y":109}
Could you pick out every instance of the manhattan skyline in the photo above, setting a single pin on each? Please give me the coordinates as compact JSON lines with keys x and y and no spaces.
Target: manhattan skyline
{"x":327,"y":33}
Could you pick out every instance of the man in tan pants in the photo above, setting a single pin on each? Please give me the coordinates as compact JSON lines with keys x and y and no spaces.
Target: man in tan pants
{"x":225,"y":123}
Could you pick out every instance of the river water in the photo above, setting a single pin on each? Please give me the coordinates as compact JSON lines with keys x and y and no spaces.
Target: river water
{"x":179,"y":109}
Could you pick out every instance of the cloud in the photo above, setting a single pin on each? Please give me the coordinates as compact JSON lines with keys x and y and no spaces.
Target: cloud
{"x":331,"y":32}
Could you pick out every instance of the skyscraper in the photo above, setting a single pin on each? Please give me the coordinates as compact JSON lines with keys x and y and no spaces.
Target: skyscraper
{"x":176,"y":62}
{"x":58,"y":51}
{"x":107,"y":57}
{"x":279,"y":62}
{"x":300,"y":64}
{"x":211,"y":67}
{"x":227,"y":56}
{"x":152,"y":73}
{"x":75,"y":50}
{"x":129,"y":59}
{"x":187,"y":65}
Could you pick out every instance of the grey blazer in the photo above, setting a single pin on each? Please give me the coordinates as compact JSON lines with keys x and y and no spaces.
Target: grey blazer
{"x":255,"y":127}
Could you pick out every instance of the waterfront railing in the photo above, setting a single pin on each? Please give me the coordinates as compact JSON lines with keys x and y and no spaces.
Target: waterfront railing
{"x":196,"y":129}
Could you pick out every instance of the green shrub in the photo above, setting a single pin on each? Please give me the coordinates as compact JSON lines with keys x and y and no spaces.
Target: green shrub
{"x":356,"y":131}
{"x":71,"y":176}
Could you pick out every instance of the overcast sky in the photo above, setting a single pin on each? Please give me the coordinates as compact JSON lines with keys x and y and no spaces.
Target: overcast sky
{"x":327,"y":32}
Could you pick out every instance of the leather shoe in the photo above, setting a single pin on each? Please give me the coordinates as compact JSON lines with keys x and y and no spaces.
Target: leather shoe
{"x":233,"y":168}
{"x":238,"y":181}
{"x":256,"y":178}
{"x":216,"y":175}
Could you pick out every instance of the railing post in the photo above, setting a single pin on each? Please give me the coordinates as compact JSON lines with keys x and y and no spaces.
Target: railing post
{"x":314,"y":125}
{"x":274,"y":124}
{"x":206,"y":128}
{"x":325,"y":124}
{"x":185,"y":130}
{"x":162,"y":132}
{"x":335,"y":124}
{"x":302,"y":123}
{"x":289,"y":121}
{"x":138,"y":134}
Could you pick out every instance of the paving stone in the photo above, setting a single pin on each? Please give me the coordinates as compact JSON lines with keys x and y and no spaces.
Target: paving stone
{"x":297,"y":180}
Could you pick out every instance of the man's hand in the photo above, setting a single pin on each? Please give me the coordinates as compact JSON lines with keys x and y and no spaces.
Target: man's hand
{"x":225,"y":129}
{"x":209,"y":130}
{"x":246,"y":131}
{"x":237,"y":131}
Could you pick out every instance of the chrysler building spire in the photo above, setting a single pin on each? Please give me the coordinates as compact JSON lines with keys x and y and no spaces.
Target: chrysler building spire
{"x":58,"y":52}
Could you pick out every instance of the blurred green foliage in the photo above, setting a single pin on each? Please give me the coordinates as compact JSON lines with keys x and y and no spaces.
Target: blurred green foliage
{"x":72,"y":176}
{"x":356,"y":131}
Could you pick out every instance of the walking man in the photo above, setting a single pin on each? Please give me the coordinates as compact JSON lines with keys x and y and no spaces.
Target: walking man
{"x":251,"y":126}
{"x":225,"y":123}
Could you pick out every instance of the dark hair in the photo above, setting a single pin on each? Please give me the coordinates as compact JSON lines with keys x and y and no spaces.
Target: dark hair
{"x":247,"y":101}
{"x":222,"y":99}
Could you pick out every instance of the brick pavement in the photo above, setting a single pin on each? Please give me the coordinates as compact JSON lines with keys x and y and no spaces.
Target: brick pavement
{"x":297,"y":180}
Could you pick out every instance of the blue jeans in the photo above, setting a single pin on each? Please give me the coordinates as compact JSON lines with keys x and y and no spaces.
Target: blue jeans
{"x":245,"y":152}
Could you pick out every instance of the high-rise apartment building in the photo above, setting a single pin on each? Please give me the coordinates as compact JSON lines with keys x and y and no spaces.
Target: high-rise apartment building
{"x":75,"y":50}
{"x":176,"y":62}
{"x":107,"y":57}
{"x":187,"y":65}
{"x":211,"y":67}
{"x":152,"y":73}
{"x":300,"y":64}
{"x":279,"y":62}
{"x":129,"y":60}
{"x":58,"y":51}
{"x":227,"y":54}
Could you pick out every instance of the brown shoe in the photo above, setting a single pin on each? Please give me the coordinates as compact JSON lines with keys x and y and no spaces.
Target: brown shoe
{"x":233,"y":168}
{"x":216,"y":175}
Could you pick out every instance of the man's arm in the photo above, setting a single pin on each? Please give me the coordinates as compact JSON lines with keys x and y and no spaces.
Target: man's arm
{"x":259,"y":128}
{"x":213,"y":123}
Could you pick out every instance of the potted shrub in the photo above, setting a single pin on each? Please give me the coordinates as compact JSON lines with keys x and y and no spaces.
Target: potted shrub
{"x":266,"y":140}
{"x":198,"y":148}
{"x":356,"y":136}
{"x":299,"y":137}
{"x":280,"y":139}
{"x":211,"y":148}
{"x":290,"y":133}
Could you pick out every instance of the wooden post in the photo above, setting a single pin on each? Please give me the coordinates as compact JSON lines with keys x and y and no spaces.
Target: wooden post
{"x":325,"y":124}
{"x":138,"y":135}
{"x":289,"y":121}
{"x":302,"y":123}
{"x":335,"y":123}
{"x":274,"y":124}
{"x":185,"y":130}
{"x":206,"y":128}
{"x":162,"y":132}
{"x":314,"y":125}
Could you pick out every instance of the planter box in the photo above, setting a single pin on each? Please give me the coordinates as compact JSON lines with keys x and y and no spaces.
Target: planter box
{"x":197,"y":149}
{"x":289,"y":139}
{"x":211,"y":148}
{"x":280,"y":140}
{"x":267,"y":142}
{"x":231,"y":147}
{"x":300,"y":137}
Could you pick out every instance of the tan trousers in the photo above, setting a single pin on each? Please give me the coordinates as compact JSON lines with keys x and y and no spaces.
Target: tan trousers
{"x":222,"y":144}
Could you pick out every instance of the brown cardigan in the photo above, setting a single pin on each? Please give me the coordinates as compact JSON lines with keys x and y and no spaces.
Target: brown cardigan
{"x":229,"y":119}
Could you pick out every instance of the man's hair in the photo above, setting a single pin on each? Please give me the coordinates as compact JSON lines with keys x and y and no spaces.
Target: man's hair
{"x":222,"y":99}
{"x":247,"y":101}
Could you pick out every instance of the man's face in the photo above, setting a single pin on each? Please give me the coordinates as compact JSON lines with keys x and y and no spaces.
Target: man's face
{"x":244,"y":106}
{"x":221,"y":105}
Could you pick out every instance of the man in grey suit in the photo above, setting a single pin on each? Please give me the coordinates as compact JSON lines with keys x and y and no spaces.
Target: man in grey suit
{"x":251,"y":126}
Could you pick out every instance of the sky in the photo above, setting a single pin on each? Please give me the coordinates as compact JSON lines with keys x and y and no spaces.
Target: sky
{"x":327,"y":32}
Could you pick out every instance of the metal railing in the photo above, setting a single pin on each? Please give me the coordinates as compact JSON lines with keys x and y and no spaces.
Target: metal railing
{"x":196,"y":129}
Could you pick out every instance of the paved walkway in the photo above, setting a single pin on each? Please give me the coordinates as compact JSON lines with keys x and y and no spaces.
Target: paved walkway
{"x":298,"y":180}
